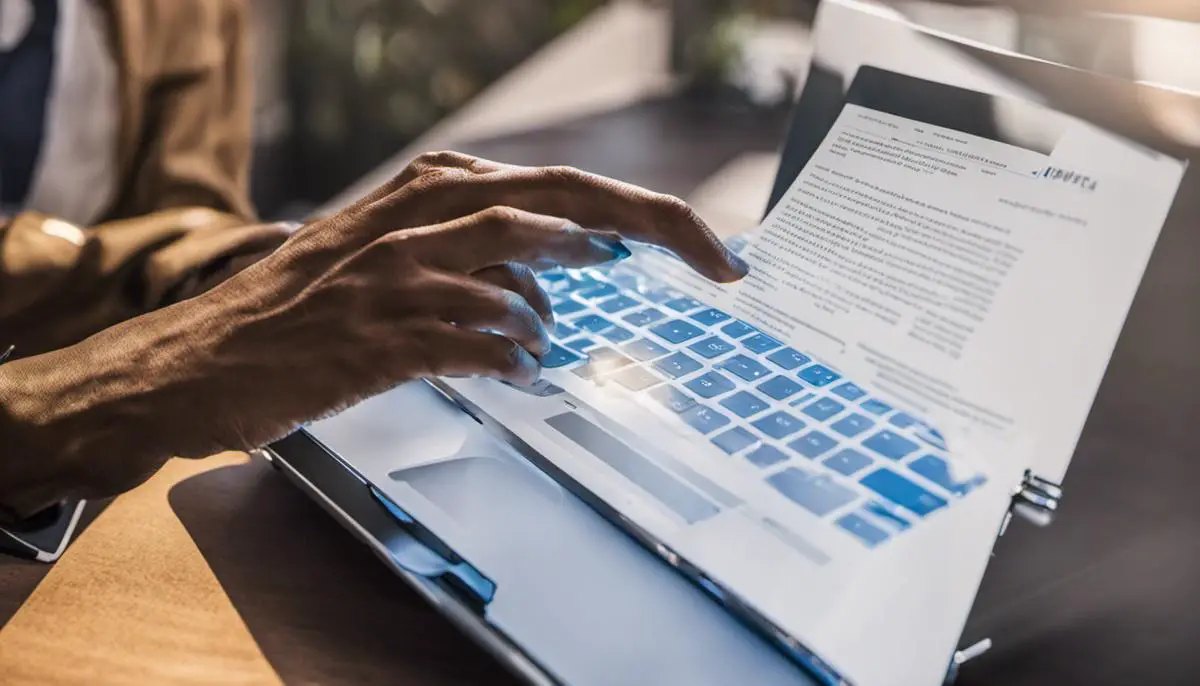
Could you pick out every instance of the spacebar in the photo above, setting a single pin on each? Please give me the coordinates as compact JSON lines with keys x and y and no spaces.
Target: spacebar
{"x":651,"y":478}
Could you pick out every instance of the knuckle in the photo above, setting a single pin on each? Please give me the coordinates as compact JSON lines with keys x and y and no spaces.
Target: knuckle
{"x":501,"y":217}
{"x":563,"y":174}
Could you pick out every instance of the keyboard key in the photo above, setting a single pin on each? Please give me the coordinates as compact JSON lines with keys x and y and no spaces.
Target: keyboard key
{"x":875,"y":407}
{"x":711,"y":347}
{"x":847,"y":461}
{"x":704,"y":419}
{"x":745,"y":368}
{"x":868,"y":533}
{"x":766,"y":455}
{"x":779,"y":387}
{"x":580,"y":345}
{"x":823,"y":409}
{"x":660,"y":295}
{"x":817,"y":494}
{"x":788,"y":358}
{"x":744,"y":404}
{"x":735,"y":440}
{"x":761,"y":343}
{"x":737,"y":329}
{"x":601,"y":291}
{"x":903,"y":492}
{"x":819,"y":375}
{"x":849,"y":391}
{"x":592,"y":322}
{"x":563,"y":331}
{"x":636,"y":378}
{"x":852,"y":425}
{"x":672,"y":398}
{"x":890,"y":445}
{"x":567,"y":307}
{"x":941,"y":472}
{"x":644,"y":350}
{"x":902,"y":420}
{"x":813,"y":444}
{"x":558,"y":357}
{"x":617,"y":304}
{"x":779,"y":425}
{"x":602,"y":361}
{"x":931,"y":436}
{"x":677,"y":365}
{"x":644,"y":317}
{"x":676,"y":331}
{"x":618,"y":334}
{"x":710,"y":385}
{"x":682,"y":304}
{"x":885,"y":513}
{"x":710,"y":316}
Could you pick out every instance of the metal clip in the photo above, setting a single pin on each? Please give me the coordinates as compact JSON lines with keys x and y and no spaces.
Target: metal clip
{"x":1037,"y":500}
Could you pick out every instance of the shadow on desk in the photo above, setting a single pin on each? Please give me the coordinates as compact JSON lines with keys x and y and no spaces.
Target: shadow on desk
{"x":320,"y":606}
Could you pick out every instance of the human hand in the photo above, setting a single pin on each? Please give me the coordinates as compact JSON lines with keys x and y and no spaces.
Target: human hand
{"x":429,"y":275}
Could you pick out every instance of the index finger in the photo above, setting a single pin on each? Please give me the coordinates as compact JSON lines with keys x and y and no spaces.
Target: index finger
{"x":595,"y":202}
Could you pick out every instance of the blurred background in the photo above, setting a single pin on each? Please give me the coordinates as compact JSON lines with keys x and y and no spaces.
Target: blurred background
{"x":345,"y":84}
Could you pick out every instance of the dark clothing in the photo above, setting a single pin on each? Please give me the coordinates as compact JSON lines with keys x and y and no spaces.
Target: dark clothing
{"x":25,"y":76}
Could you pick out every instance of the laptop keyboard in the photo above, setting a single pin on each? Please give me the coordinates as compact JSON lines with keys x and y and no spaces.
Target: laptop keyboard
{"x":818,"y":439}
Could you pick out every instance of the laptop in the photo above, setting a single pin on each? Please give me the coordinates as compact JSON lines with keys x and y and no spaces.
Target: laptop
{"x":828,"y":450}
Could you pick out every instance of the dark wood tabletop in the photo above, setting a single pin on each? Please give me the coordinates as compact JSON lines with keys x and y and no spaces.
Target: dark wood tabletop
{"x":1107,"y":595}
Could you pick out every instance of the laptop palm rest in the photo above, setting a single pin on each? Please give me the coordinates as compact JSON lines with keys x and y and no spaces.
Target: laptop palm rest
{"x":575,"y":592}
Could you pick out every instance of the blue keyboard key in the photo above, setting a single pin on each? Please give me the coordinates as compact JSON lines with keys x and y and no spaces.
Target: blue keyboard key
{"x":677,"y":365}
{"x":711,"y":347}
{"x":779,"y":387}
{"x":903,"y":492}
{"x":618,"y":334}
{"x":710,"y":316}
{"x":819,"y":375}
{"x":676,"y":331}
{"x":601,"y":291}
{"x":868,"y":533}
{"x":744,"y":404}
{"x":592,"y":322}
{"x":817,"y":494}
{"x":564,"y":331}
{"x":779,"y":425}
{"x":672,"y":398}
{"x":659,"y":295}
{"x":734,"y":440}
{"x":886,"y":514}
{"x":890,"y":445}
{"x":931,"y":436}
{"x":875,"y":407}
{"x":788,"y":358}
{"x":602,"y":361}
{"x":558,"y":357}
{"x":737,"y":329}
{"x":902,"y":420}
{"x":761,"y":343}
{"x":847,"y":461}
{"x":617,"y":304}
{"x":567,"y":307}
{"x":682,"y":304}
{"x":852,"y":425}
{"x":942,"y":473}
{"x":745,"y":368}
{"x":644,"y":317}
{"x":704,"y":419}
{"x":823,"y":409}
{"x":581,"y":344}
{"x":644,"y":350}
{"x":849,"y":391}
{"x":766,"y":455}
{"x":710,"y":385}
{"x":568,"y":284}
{"x":813,"y":444}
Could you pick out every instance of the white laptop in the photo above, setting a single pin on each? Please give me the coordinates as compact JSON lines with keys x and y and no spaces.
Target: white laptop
{"x":829,"y":448}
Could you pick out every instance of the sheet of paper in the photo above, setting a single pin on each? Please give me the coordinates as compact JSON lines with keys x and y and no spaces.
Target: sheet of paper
{"x":979,"y":283}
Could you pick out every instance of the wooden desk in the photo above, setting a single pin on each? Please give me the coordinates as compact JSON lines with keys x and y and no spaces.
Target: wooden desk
{"x":218,"y":571}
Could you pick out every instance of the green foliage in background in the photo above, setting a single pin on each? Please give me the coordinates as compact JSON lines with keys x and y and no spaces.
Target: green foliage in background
{"x":369,"y":76}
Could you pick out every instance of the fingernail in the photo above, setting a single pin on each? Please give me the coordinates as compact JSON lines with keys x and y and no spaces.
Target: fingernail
{"x":739,"y":265}
{"x":619,"y":250}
